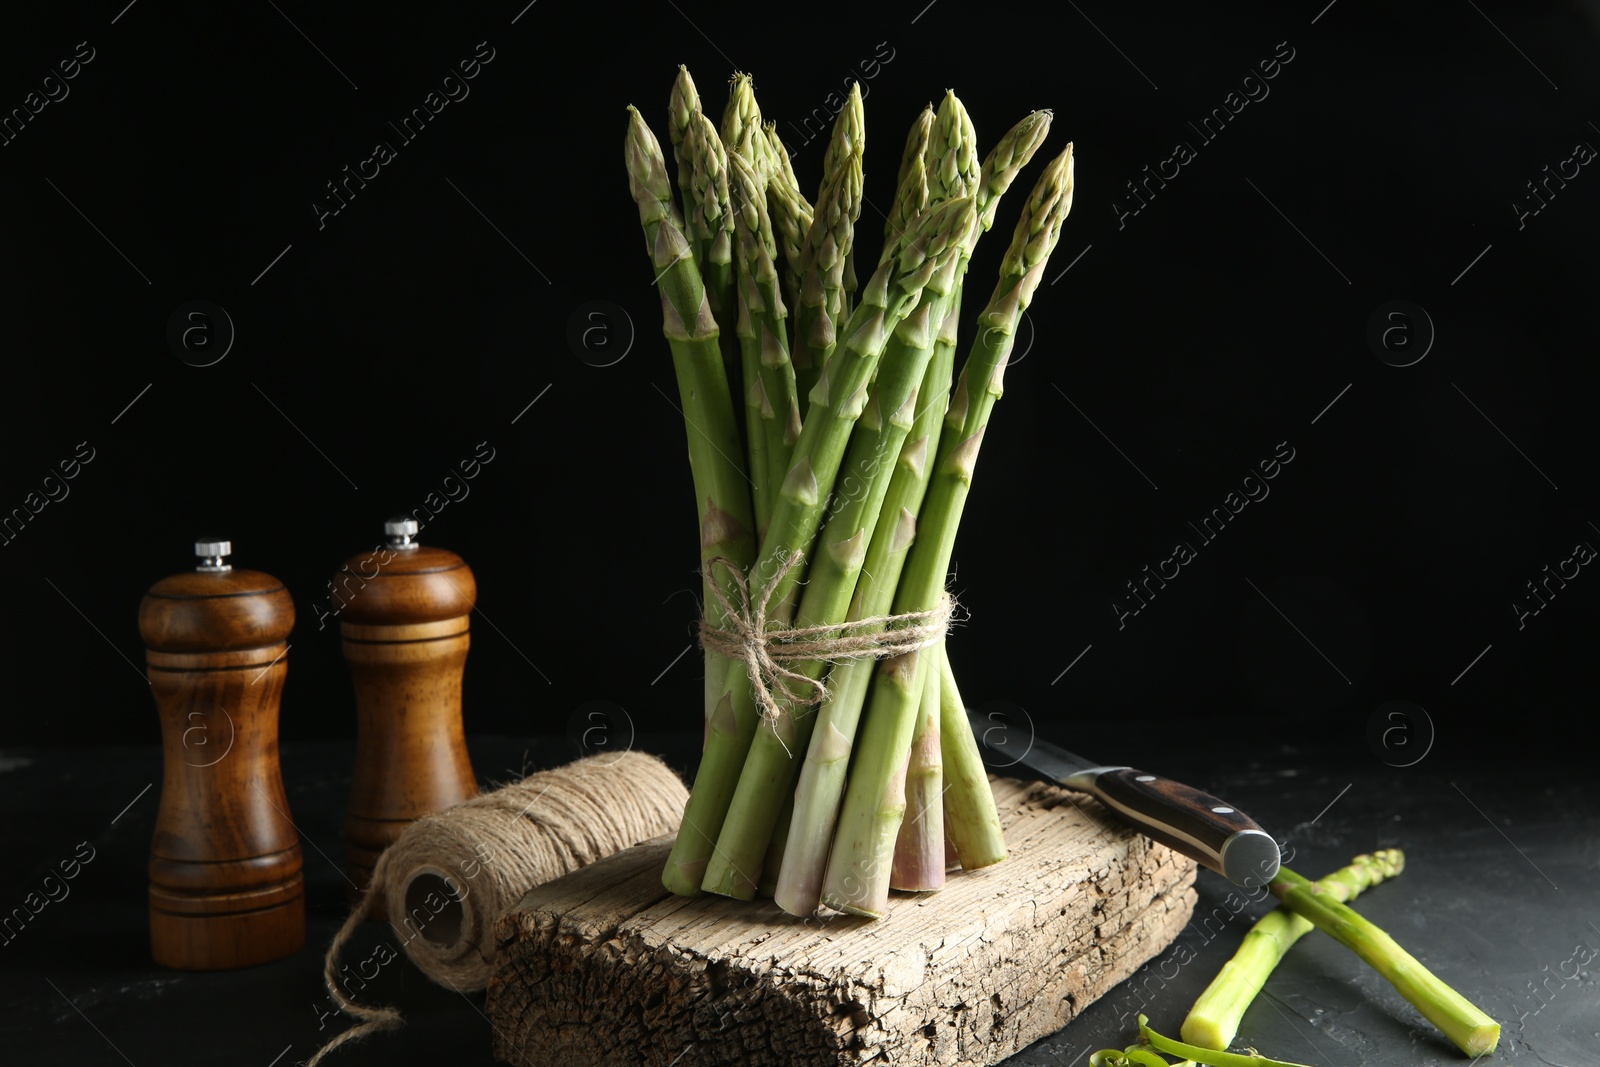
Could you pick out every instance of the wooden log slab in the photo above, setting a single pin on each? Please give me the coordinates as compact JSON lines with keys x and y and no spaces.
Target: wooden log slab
{"x":604,"y":968}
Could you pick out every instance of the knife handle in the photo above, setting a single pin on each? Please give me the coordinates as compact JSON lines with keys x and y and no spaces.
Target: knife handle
{"x":1197,"y":824}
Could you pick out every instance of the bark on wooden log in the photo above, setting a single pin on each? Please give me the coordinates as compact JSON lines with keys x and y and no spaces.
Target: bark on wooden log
{"x":604,"y":968}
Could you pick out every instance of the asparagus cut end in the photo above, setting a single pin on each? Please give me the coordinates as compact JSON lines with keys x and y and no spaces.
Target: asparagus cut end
{"x":1463,"y":1022}
{"x":1205,"y":1033}
{"x":683,"y":879}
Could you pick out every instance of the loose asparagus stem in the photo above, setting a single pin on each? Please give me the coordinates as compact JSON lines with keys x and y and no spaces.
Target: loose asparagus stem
{"x":1214,"y":1019}
{"x":773,"y":760}
{"x":1201,"y":1055}
{"x":919,"y":850}
{"x":772,"y":420}
{"x":839,"y":398}
{"x":972,"y":822}
{"x":720,"y":480}
{"x":1462,"y":1021}
{"x":822,"y":777}
{"x":827,"y":248}
{"x":859,"y":857}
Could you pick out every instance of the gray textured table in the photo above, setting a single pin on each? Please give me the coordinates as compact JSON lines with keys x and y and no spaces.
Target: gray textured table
{"x":1499,"y":897}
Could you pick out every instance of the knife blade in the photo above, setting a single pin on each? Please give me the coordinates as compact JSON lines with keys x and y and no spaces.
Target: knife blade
{"x":1208,"y":830}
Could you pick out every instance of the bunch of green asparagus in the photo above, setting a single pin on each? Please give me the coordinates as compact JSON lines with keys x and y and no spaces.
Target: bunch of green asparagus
{"x":831,"y":506}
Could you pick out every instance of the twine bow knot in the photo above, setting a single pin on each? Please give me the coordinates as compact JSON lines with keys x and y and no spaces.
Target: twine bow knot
{"x":765,"y":652}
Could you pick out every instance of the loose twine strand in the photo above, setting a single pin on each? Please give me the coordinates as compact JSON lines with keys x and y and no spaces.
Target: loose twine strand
{"x":491,"y":850}
{"x":745,"y":636}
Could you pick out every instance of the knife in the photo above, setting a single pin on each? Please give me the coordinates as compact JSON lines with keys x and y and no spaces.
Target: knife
{"x":1213,"y":833}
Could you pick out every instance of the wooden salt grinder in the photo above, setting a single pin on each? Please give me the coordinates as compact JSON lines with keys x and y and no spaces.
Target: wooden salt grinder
{"x":225,"y":884}
{"x":405,"y":635}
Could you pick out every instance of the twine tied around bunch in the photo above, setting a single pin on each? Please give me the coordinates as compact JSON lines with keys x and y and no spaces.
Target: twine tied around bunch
{"x":745,"y":636}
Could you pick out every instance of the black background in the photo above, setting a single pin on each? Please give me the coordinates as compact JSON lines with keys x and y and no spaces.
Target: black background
{"x":1196,"y":336}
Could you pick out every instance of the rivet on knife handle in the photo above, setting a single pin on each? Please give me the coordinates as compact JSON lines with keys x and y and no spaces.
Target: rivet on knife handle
{"x":1194,"y":823}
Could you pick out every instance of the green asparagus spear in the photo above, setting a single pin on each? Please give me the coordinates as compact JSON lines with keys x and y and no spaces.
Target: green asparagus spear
{"x":858,"y":867}
{"x":971,"y":820}
{"x":743,"y":131}
{"x":1462,"y":1021}
{"x":972,"y":823}
{"x":911,"y":186}
{"x":1214,"y":1019}
{"x":683,"y":103}
{"x":791,"y":221}
{"x":781,"y":155}
{"x":741,"y":114}
{"x":951,"y":156}
{"x":847,"y":136}
{"x":720,"y":481}
{"x":918,"y":863}
{"x":772,"y":420}
{"x":1153,"y":1040}
{"x":1005,"y":160}
{"x":709,"y":218}
{"x":827,"y":248}
{"x":775,"y":847}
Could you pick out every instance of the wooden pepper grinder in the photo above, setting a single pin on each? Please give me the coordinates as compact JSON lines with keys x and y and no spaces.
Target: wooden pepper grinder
{"x":405,"y":638}
{"x":225,"y":881}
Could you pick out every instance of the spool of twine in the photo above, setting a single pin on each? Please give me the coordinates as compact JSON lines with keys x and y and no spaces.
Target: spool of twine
{"x":450,"y":875}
